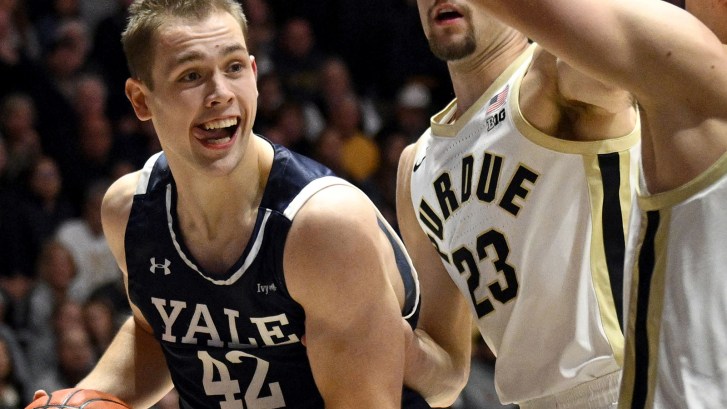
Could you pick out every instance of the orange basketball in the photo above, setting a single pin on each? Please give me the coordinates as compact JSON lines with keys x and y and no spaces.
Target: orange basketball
{"x":78,"y":398}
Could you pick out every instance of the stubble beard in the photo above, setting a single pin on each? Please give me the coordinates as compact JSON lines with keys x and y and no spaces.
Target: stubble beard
{"x":451,"y":51}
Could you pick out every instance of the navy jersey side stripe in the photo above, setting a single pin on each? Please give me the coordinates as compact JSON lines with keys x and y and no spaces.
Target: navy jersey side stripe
{"x":406,"y":272}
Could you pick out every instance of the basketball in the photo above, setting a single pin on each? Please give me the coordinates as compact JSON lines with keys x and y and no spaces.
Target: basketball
{"x":78,"y":398}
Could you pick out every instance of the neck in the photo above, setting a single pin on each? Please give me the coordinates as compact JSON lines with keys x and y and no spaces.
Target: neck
{"x":472,"y":76}
{"x":211,"y":204}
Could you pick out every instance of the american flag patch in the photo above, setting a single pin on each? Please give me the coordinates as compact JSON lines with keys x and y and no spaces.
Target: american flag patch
{"x":498,"y":100}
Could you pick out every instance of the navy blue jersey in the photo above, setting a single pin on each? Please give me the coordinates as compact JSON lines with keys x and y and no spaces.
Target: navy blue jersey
{"x":233,"y":340}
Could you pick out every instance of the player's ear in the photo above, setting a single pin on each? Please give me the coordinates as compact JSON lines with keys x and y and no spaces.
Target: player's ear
{"x":135,"y":93}
{"x":253,"y":64}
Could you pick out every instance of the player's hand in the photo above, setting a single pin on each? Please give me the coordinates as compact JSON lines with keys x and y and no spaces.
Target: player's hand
{"x":39,"y":394}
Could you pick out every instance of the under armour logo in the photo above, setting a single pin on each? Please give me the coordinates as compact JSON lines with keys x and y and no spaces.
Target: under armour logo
{"x":156,"y":266}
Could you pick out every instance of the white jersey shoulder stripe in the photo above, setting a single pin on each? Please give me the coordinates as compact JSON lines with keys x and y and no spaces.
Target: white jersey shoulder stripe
{"x":145,"y":174}
{"x":307,"y":192}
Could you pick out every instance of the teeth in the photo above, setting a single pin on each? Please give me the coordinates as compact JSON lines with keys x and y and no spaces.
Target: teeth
{"x":445,"y":10}
{"x":221,"y":123}
{"x":219,"y":141}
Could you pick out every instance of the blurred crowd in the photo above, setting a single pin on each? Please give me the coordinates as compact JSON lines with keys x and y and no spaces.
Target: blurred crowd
{"x":346,"y":82}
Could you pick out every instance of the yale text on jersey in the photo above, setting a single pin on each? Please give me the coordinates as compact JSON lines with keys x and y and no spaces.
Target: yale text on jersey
{"x":198,"y":326}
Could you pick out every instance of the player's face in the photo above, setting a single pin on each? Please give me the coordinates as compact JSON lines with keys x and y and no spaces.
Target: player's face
{"x":449,"y":28}
{"x":204,"y":96}
{"x":713,"y":13}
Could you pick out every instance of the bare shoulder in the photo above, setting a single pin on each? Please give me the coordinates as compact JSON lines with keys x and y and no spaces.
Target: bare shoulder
{"x":567,"y":103}
{"x":117,"y":201}
{"x":539,"y":100}
{"x":406,"y":163}
{"x":332,"y":215}
{"x":408,"y":225}
{"x":334,"y":234}
{"x":115,"y":210}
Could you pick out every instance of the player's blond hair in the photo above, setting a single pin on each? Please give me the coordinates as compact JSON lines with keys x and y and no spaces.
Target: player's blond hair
{"x":147,"y":16}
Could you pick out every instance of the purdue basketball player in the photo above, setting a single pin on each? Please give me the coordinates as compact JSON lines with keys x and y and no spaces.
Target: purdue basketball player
{"x":676,"y":68}
{"x":514,"y":207}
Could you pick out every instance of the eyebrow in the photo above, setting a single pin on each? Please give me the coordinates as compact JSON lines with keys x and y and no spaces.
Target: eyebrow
{"x":188,"y":56}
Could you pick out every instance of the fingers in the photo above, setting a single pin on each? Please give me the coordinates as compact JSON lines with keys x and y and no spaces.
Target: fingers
{"x":39,"y":394}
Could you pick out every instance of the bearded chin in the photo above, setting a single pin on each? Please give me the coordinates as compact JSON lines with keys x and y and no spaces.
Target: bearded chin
{"x":453,"y":51}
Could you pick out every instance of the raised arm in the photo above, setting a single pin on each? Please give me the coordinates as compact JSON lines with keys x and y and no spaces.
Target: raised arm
{"x":336,"y":266}
{"x":647,"y":46}
{"x":438,"y":358}
{"x":673,"y":64}
{"x":133,"y":367}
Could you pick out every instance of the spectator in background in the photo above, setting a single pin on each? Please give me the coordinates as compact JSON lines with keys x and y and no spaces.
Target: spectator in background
{"x":411,"y":111}
{"x":271,"y":97}
{"x":90,"y":95}
{"x":261,"y":33}
{"x":335,"y":85}
{"x":45,"y":305}
{"x":12,"y":391}
{"x":407,"y":57}
{"x":17,"y":67}
{"x":108,"y":57}
{"x":95,"y":159}
{"x":381,"y":185}
{"x":8,"y":218}
{"x":16,"y":32}
{"x":75,"y":358}
{"x":359,"y":155}
{"x":17,"y":125}
{"x":53,"y":91}
{"x":297,"y":59}
{"x":288,"y":128}
{"x":60,"y":12}
{"x":84,"y":238}
{"x":42,"y":207}
{"x":113,"y":295}
{"x":94,"y":155}
{"x":92,"y":12}
{"x":19,"y":370}
{"x":13,"y":273}
{"x":328,"y":150}
{"x":101,"y":322}
{"x":135,"y":141}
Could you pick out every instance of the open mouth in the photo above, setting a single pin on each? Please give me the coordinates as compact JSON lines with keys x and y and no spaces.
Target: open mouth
{"x":447,"y":14}
{"x":218,"y":131}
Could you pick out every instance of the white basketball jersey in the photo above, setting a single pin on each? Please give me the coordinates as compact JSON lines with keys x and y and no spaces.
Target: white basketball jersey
{"x":532,"y":230}
{"x":677,"y":331}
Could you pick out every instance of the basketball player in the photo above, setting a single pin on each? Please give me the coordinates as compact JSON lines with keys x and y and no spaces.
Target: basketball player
{"x":676,"y":67}
{"x":234,"y":250}
{"x":514,"y":206}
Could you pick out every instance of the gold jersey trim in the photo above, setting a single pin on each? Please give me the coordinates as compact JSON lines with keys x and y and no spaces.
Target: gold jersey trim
{"x":638,"y":386}
{"x":682,"y":193}
{"x":538,"y":137}
{"x":440,"y":121}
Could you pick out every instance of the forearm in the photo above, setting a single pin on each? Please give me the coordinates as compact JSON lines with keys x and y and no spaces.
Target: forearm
{"x":434,"y":373}
{"x":132,"y":368}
